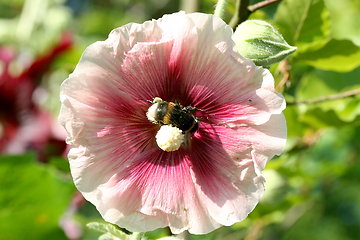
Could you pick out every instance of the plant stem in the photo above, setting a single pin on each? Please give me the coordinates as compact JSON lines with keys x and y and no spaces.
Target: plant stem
{"x":29,"y":18}
{"x":241,"y":13}
{"x":243,"y":10}
{"x":262,"y":4}
{"x":335,"y":96}
{"x":220,"y":8}
{"x":283,"y":68}
{"x":189,"y":6}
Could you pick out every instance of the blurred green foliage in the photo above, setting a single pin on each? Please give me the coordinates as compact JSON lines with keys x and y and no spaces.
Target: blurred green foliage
{"x":33,"y":197}
{"x":313,"y":188}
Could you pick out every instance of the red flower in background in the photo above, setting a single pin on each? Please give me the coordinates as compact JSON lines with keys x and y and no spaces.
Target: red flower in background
{"x":23,"y":125}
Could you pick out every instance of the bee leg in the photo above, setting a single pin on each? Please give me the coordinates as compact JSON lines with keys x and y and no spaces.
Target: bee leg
{"x":191,"y":109}
{"x":146,"y":100}
{"x":186,"y":140}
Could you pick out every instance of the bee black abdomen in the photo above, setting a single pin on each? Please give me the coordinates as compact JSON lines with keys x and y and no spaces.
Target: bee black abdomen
{"x":181,"y":119}
{"x":195,"y":127}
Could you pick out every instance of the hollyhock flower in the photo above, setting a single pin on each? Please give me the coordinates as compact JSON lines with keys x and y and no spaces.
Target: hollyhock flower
{"x":214,"y":177}
{"x":24,"y":125}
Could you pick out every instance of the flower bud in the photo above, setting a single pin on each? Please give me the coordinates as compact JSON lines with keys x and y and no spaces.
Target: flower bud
{"x":261,"y":42}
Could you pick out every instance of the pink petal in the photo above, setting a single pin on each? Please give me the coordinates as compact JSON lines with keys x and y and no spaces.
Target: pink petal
{"x":105,"y":132}
{"x":148,"y":194}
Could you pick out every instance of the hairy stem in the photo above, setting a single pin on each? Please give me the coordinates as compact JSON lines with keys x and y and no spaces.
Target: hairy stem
{"x":220,"y":8}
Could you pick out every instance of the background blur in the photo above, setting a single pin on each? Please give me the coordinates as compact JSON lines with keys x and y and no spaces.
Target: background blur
{"x":313,"y":188}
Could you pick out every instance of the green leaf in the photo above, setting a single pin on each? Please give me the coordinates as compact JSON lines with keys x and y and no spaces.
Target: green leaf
{"x":319,"y":83}
{"x":329,"y":54}
{"x":32,"y":199}
{"x":318,"y":118}
{"x":306,"y":24}
{"x":329,"y":173}
{"x":108,"y":228}
{"x":351,"y":110}
{"x":169,"y":238}
{"x":261,"y":42}
{"x":108,"y":236}
{"x":345,"y":17}
{"x":335,"y":113}
{"x":295,"y":127}
{"x":113,"y":231}
{"x":303,"y":21}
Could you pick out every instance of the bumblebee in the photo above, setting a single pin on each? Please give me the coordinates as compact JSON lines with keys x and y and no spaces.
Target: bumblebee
{"x":169,"y":113}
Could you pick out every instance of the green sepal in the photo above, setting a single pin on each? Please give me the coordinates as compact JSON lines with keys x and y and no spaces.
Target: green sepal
{"x":113,"y":231}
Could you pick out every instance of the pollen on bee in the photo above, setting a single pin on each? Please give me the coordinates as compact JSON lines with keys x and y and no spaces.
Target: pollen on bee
{"x":151,"y":113}
{"x":169,"y":138}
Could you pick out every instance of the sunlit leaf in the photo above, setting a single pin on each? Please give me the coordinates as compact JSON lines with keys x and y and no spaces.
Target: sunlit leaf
{"x":345,"y":16}
{"x":319,"y":83}
{"x":329,"y":54}
{"x":303,"y":21}
{"x":318,"y":118}
{"x":107,"y":228}
{"x":112,"y":231}
{"x":336,"y":112}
